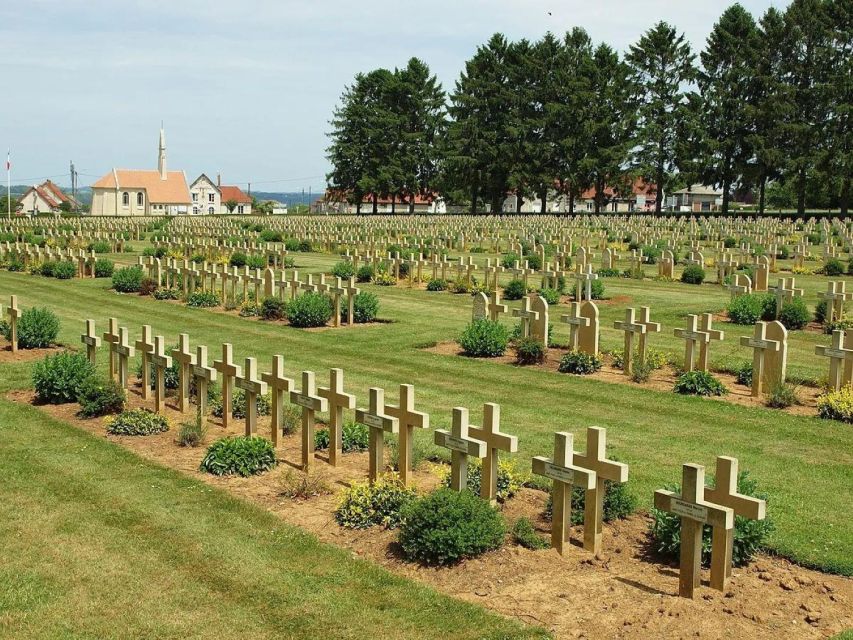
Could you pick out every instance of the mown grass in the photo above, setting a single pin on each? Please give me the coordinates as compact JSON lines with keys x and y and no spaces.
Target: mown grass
{"x":804,"y":463}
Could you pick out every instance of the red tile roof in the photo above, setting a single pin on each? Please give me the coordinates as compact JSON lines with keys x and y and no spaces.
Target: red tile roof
{"x":234,"y":193}
{"x":638,"y":188}
{"x":172,"y":190}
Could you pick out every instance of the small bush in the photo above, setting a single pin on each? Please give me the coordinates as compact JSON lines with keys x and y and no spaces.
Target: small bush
{"x":238,"y":405}
{"x":699,"y":383}
{"x":749,"y":535}
{"x":343,"y":270}
{"x":364,"y":273}
{"x":192,"y":434}
{"x":273,"y":308}
{"x":820,"y":312}
{"x":641,"y":372}
{"x":37,"y":327}
{"x":104,"y":268}
{"x":137,"y":422}
{"x":309,"y":310}
{"x":833,"y":267}
{"x":795,"y":315}
{"x":580,"y":363}
{"x":838,"y":325}
{"x":782,"y":396}
{"x":128,"y":279}
{"x":384,"y":279}
{"x":354,"y":437}
{"x":256,"y":262}
{"x":249,"y":309}
{"x":743,"y":374}
{"x":509,"y":260}
{"x":365,"y":308}
{"x":484,"y":338}
{"x":46,"y":268}
{"x":437,"y":284}
{"x":64,"y":270}
{"x":597,"y":290}
{"x":166,"y":294}
{"x":460,"y":285}
{"x":291,"y":419}
{"x":202,"y":299}
{"x":100,"y":396}
{"x":364,"y":505}
{"x":529,"y":351}
{"x":836,"y":405}
{"x":524,"y":534}
{"x":237,"y":259}
{"x":447,"y":526}
{"x":619,"y":503}
{"x":239,"y":455}
{"x":299,"y":485}
{"x":609,"y":273}
{"x":515,"y":290}
{"x":551,"y":296}
{"x":750,"y":308}
{"x":693,"y":274}
{"x":59,"y":378}
{"x":510,"y":480}
{"x":100,"y":246}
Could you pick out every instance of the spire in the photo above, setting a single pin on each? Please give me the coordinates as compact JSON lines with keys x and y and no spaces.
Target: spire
{"x":161,"y":163}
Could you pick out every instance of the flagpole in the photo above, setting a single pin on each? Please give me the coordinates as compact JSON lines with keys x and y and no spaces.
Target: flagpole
{"x":9,"y":183}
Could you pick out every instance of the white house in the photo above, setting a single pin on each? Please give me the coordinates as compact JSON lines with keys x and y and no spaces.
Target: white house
{"x":214,"y":198}
{"x":44,"y":198}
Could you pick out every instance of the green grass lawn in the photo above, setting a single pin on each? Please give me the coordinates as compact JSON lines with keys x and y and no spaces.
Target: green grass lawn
{"x":97,"y":543}
{"x":803,"y":463}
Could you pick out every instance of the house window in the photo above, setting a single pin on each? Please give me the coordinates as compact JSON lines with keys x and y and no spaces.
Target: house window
{"x":125,"y":199}
{"x":210,"y":210}
{"x":195,"y":210}
{"x":590,"y":205}
{"x":140,"y":199}
{"x":211,"y":197}
{"x":614,"y":206}
{"x":631,"y":206}
{"x":195,"y":197}
{"x":240,"y":208}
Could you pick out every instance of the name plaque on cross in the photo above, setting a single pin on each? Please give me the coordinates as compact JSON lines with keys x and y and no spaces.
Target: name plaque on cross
{"x":689,"y":510}
{"x":304,"y":401}
{"x":835,"y":353}
{"x":457,"y":444}
{"x":558,"y":473}
{"x":199,"y":372}
{"x":372,"y":421}
{"x":760,"y":344}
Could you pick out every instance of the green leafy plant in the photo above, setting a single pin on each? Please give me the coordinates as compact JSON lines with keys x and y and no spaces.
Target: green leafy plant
{"x":743,"y":374}
{"x":836,"y":405}
{"x":37,"y":327}
{"x":309,"y":310}
{"x":699,"y":383}
{"x":782,"y":396}
{"x":365,"y":308}
{"x":58,"y":378}
{"x":641,"y":372}
{"x":820,"y":312}
{"x":166,"y":294}
{"x":237,"y":259}
{"x":833,"y":267}
{"x":366,"y":505}
{"x":484,"y":338}
{"x":384,"y":279}
{"x":510,"y":479}
{"x":343,"y":270}
{"x":437,"y":284}
{"x":529,"y":351}
{"x":256,"y":262}
{"x":104,"y":268}
{"x":137,"y":422}
{"x":580,"y":363}
{"x":795,"y":315}
{"x":693,"y":274}
{"x":203,"y":299}
{"x":238,"y":405}
{"x":364,"y":273}
{"x":239,"y":455}
{"x":192,"y":434}
{"x":128,"y":279}
{"x":515,"y":290}
{"x":64,"y":270}
{"x":597,"y":290}
{"x":249,"y":309}
{"x":525,"y":535}
{"x":46,"y":268}
{"x":100,"y":396}
{"x":752,"y":307}
{"x":618,"y":504}
{"x":354,"y":437}
{"x":447,"y":526}
{"x":551,"y":296}
{"x":273,"y":308}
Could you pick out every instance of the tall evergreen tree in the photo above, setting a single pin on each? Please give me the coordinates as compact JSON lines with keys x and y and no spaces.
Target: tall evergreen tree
{"x":838,"y":161}
{"x":661,"y":67}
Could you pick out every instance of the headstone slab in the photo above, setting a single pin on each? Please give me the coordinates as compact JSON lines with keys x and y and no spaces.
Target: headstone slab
{"x":480,"y":304}
{"x":588,"y":335}
{"x":776,"y":362}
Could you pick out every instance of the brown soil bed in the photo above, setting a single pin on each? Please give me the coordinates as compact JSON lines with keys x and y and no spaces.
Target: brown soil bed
{"x":660,"y":379}
{"x":625,"y":592}
{"x":24,"y":355}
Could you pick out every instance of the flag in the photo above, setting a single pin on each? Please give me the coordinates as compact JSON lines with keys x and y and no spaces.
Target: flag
{"x":9,"y":160}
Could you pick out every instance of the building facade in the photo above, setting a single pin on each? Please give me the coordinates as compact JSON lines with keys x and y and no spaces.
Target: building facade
{"x":209,"y":198}
{"x":45,"y":198}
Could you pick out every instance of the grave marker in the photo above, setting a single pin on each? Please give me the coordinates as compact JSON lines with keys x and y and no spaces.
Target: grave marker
{"x":490,"y":433}
{"x":160,"y":361}
{"x":124,"y":351}
{"x":838,"y":355}
{"x":379,"y":423}
{"x":228,"y":370}
{"x":311,"y":403}
{"x":630,"y":326}
{"x":338,"y":401}
{"x":203,"y":375}
{"x":183,"y":355}
{"x":409,"y":419}
{"x":279,"y":385}
{"x":145,"y":346}
{"x":91,"y":340}
{"x":253,"y":387}
{"x":461,"y":446}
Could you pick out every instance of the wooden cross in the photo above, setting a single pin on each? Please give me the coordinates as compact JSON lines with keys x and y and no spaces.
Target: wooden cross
{"x":575,"y":321}
{"x":584,"y":279}
{"x":785,"y":292}
{"x":228,"y":370}
{"x":311,"y":403}
{"x":691,"y":336}
{"x":279,"y":385}
{"x":630,"y":326}
{"x":651,"y":327}
{"x":596,"y":460}
{"x":112,"y":337}
{"x":694,"y":512}
{"x":495,"y":308}
{"x":253,"y":387}
{"x":294,"y":284}
{"x":760,"y":345}
{"x":490,"y":433}
{"x":527,"y":316}
{"x":203,"y":376}
{"x":741,"y":285}
{"x":185,"y":358}
{"x":124,"y":351}
{"x":145,"y":346}
{"x":352,"y":291}
{"x":160,"y":362}
{"x":837,"y":354}
{"x":338,"y":401}
{"x":379,"y":423}
{"x":91,"y":340}
{"x":461,"y":446}
{"x":565,"y":474}
{"x":725,"y":494}
{"x":835,"y":297}
{"x":337,"y":290}
{"x":706,"y":321}
{"x":409,"y":419}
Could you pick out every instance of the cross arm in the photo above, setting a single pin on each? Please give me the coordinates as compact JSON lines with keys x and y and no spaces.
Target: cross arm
{"x":705,"y":512}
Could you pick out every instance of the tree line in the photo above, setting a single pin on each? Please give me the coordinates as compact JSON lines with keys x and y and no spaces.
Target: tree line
{"x":766,"y":108}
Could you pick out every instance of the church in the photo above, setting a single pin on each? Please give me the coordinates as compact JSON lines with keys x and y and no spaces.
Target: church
{"x":142,"y":192}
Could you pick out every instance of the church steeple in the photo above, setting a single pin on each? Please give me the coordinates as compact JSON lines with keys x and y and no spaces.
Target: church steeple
{"x":161,"y":163}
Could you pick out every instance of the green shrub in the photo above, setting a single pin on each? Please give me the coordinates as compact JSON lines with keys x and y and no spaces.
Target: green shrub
{"x":237,"y":259}
{"x":833,"y":267}
{"x":551,"y":296}
{"x":291,"y":418}
{"x":239,"y":455}
{"x":100,"y":396}
{"x":37,"y":327}
{"x":782,"y":396}
{"x":460,"y":285}
{"x":580,"y":363}
{"x":836,"y":405}
{"x":46,"y":268}
{"x":273,"y":308}
{"x":484,"y":338}
{"x":128,"y":279}
{"x":58,"y":378}
{"x":64,"y":270}
{"x":820,"y":311}
{"x":743,"y":374}
{"x":343,"y":270}
{"x":384,"y":279}
{"x":437,"y":284}
{"x":365,"y":307}
{"x":752,"y":307}
{"x":524,"y":534}
{"x":238,"y":405}
{"x":268,"y":235}
{"x":795,"y":315}
{"x":148,"y":287}
{"x":166,"y":294}
{"x":529,"y":351}
{"x":699,"y":383}
{"x":100,"y":246}
{"x":837,"y":325}
{"x":515,"y":290}
{"x":510,"y":480}
{"x":354,"y":437}
{"x":104,"y":268}
{"x":137,"y":422}
{"x":509,"y":260}
{"x":693,"y":274}
{"x":309,"y":310}
{"x":597,"y":290}
{"x":641,"y":372}
{"x":249,"y":309}
{"x":749,"y":535}
{"x":609,"y":273}
{"x":202,"y":299}
{"x":191,"y":434}
{"x":256,"y":262}
{"x":619,"y":503}
{"x":364,"y":505}
{"x":364,"y":273}
{"x":729,"y":242}
{"x":447,"y":526}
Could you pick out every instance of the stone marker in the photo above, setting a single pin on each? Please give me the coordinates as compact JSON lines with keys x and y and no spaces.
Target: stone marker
{"x":588,"y":332}
{"x":630,"y":326}
{"x":776,"y":362}
{"x":111,"y":337}
{"x":490,"y":433}
{"x":692,"y":337}
{"x":761,"y":345}
{"x":651,"y":327}
{"x":337,"y":290}
{"x":527,"y":315}
{"x":160,"y":361}
{"x":228,"y":371}
{"x":203,"y":375}
{"x":495,"y":307}
{"x":279,"y":385}
{"x":352,"y":291}
{"x":725,"y":494}
{"x":694,"y":512}
{"x":409,"y":419}
{"x":311,"y":403}
{"x":91,"y":340}
{"x":338,"y":401}
{"x":835,"y":296}
{"x":565,"y":475}
{"x":838,"y":355}
{"x":379,"y":423}
{"x":575,"y":321}
{"x":13,"y":313}
{"x":253,"y":387}
{"x":124,"y":351}
{"x":481,"y":301}
{"x":706,"y":321}
{"x":461,"y":445}
{"x":539,"y":323}
{"x":183,"y":355}
{"x":596,"y":460}
{"x":145,"y":346}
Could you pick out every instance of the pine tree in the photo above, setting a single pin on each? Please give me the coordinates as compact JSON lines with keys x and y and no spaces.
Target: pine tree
{"x":661,"y":66}
{"x":838,"y":160}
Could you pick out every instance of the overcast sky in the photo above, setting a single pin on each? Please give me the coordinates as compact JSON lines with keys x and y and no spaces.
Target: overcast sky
{"x":247,"y":88}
